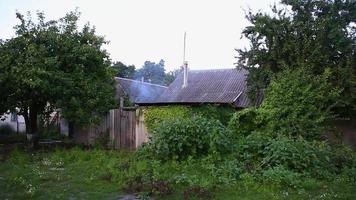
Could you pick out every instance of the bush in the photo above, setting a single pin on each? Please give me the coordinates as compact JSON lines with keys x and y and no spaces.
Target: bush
{"x":244,"y":122}
{"x":298,"y":155}
{"x":258,"y":151}
{"x":281,"y":177}
{"x":215,"y":112}
{"x":196,"y":136}
{"x":343,"y":156}
{"x":154,"y":115}
{"x":298,"y":104}
{"x":251,"y":150}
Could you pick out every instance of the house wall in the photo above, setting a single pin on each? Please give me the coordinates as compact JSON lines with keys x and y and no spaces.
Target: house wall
{"x":18,"y":126}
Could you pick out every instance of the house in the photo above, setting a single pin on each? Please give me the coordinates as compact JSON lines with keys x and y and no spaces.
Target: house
{"x":125,"y":127}
{"x":138,"y":91}
{"x":13,"y":121}
{"x":217,"y":86}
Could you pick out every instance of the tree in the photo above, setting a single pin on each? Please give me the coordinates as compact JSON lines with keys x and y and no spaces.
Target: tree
{"x":171,"y":76}
{"x":124,"y":71}
{"x":318,"y":34}
{"x":52,"y":64}
{"x":298,"y":103}
{"x":152,"y":72}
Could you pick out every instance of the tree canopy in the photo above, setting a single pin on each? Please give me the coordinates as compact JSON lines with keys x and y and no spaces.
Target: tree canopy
{"x":53,"y":65}
{"x":312,"y":34}
{"x":150,"y":72}
{"x":124,"y":71}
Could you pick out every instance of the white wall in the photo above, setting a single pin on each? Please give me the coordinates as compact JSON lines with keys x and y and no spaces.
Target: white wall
{"x":17,"y":126}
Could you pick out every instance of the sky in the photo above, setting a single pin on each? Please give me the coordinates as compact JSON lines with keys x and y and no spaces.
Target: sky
{"x":141,"y":30}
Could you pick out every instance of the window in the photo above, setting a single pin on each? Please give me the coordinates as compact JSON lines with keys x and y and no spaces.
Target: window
{"x":13,"y":117}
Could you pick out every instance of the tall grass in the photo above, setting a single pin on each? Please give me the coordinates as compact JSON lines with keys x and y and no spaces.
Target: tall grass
{"x":105,"y":174}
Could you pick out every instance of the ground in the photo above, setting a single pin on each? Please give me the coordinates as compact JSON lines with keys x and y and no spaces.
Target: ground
{"x":104,"y":174}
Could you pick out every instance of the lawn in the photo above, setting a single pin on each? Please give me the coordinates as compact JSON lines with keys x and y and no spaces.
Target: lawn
{"x":104,"y":174}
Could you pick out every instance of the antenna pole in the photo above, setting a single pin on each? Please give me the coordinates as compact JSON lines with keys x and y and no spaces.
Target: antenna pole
{"x":184,"y":47}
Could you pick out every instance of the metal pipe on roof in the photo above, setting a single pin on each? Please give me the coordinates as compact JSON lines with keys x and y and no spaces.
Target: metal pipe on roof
{"x":185,"y":74}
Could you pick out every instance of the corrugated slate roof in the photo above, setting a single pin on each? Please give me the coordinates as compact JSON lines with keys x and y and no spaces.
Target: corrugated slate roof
{"x":207,"y":86}
{"x":140,"y":92}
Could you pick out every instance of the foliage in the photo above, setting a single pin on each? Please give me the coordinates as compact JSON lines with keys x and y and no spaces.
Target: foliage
{"x":171,"y":76}
{"x":50,"y":133}
{"x":258,"y":152}
{"x":245,"y":122}
{"x":299,"y":156}
{"x":52,"y":64}
{"x":180,"y":138}
{"x":152,"y":72}
{"x":214,"y":111}
{"x":154,"y":115}
{"x":281,"y":177}
{"x":298,"y":103}
{"x":251,"y":150}
{"x":124,"y":71}
{"x":103,"y":174}
{"x":313,"y":33}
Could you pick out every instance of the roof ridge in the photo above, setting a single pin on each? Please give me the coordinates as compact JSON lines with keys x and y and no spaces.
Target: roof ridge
{"x":127,"y":79}
{"x":217,"y":69}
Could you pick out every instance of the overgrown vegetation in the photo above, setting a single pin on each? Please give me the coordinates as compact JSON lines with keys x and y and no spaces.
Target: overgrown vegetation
{"x":281,"y":143}
{"x":195,"y":136}
{"x":154,"y":115}
{"x":102,"y":174}
{"x":313,"y":34}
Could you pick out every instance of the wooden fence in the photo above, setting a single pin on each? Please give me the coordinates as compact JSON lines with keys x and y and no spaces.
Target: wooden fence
{"x":124,"y":128}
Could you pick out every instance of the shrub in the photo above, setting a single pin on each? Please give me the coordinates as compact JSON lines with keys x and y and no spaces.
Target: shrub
{"x":281,"y":177}
{"x":298,"y":155}
{"x":214,"y":111}
{"x":244,"y":122}
{"x":343,"y":156}
{"x":251,"y":150}
{"x":196,"y":136}
{"x":154,"y":115}
{"x":298,"y":103}
{"x":258,"y":151}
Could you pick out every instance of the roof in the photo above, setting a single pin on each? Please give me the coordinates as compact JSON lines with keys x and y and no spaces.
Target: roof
{"x":208,"y":86}
{"x":139,"y":91}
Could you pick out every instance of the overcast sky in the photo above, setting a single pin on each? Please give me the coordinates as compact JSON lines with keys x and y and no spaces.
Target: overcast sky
{"x":140,"y":30}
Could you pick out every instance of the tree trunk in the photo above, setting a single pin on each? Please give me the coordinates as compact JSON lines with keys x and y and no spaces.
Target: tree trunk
{"x":30,"y":117}
{"x":70,"y":129}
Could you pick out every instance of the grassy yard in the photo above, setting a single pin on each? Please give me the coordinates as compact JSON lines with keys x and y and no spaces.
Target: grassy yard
{"x":104,"y":174}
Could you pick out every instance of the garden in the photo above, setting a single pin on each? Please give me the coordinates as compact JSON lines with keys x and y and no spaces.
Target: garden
{"x":275,"y":151}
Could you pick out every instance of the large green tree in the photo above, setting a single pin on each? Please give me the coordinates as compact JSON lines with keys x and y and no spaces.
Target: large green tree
{"x":53,"y":65}
{"x":124,"y":71}
{"x":152,"y":72}
{"x":314,"y":34}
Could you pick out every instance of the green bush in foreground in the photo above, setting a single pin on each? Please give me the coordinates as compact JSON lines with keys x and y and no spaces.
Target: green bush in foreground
{"x":181,"y":138}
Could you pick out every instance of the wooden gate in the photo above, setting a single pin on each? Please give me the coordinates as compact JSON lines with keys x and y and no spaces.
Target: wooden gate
{"x":124,"y":132}
{"x":125,"y":128}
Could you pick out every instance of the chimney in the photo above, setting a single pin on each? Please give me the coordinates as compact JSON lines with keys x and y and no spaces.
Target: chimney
{"x":185,"y":74}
